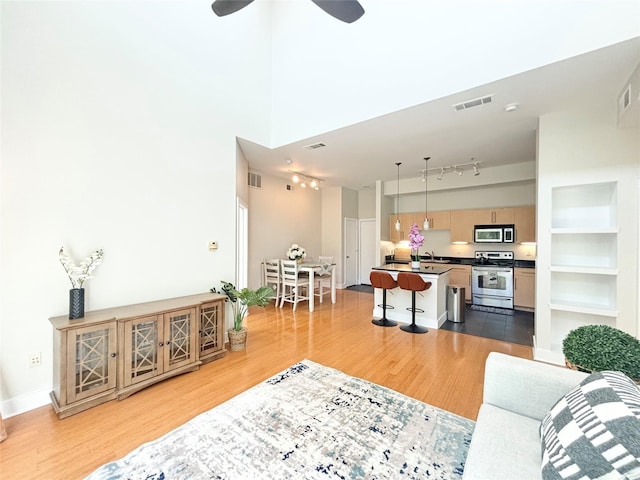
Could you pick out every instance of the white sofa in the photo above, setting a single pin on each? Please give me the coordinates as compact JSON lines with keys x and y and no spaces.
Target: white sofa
{"x":517,"y":394}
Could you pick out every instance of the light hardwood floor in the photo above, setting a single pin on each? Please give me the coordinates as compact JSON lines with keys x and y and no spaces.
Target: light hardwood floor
{"x":442,"y":368}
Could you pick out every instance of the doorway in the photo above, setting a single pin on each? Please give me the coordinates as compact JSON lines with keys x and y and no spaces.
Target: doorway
{"x":368,"y":253}
{"x":350,"y":252}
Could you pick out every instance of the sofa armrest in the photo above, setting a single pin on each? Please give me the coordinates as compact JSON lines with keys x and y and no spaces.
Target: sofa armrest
{"x":526,"y":387}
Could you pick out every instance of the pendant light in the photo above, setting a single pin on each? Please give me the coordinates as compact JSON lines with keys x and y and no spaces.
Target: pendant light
{"x":425,"y":224}
{"x":398,"y":198}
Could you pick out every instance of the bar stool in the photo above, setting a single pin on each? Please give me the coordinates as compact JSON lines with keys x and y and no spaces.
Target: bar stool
{"x":384,"y":281}
{"x":414,"y":283}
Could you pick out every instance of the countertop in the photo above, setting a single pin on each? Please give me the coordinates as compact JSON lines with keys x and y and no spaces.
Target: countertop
{"x":404,"y":267}
{"x":458,"y":261}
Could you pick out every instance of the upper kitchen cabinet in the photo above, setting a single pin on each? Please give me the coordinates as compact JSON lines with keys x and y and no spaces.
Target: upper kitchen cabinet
{"x":498,"y":216}
{"x":525,"y":223}
{"x":462,"y":222}
{"x":438,"y":220}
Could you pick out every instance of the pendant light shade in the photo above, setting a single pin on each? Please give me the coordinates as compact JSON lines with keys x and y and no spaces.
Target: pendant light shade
{"x":425,"y":224}
{"x":398,"y":198}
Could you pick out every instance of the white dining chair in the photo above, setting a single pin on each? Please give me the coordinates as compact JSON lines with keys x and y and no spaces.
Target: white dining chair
{"x":272,"y":276}
{"x":322,"y":277}
{"x":292,"y":284}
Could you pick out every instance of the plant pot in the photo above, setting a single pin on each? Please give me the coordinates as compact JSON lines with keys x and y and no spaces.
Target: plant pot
{"x":298,"y":261}
{"x":415,"y":265}
{"x":237,"y":339}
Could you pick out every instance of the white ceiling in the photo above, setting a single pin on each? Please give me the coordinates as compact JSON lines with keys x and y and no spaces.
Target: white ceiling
{"x":358,"y":155}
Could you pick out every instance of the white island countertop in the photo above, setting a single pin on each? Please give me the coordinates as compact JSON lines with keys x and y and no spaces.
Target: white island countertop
{"x":405,"y":267}
{"x":431,"y":302}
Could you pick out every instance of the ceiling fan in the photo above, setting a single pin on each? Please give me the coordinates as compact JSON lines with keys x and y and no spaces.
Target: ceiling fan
{"x":346,"y":10}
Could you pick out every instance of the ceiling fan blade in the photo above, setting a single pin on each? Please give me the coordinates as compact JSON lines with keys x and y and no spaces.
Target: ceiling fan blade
{"x":225,"y":7}
{"x":346,"y":10}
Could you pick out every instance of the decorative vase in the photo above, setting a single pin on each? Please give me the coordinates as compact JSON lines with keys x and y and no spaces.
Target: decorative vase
{"x":237,"y":339}
{"x":76,"y":303}
{"x":415,"y":264}
{"x":298,"y":261}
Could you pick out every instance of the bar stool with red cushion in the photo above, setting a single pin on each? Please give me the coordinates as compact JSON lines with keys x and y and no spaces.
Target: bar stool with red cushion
{"x":414,"y":283}
{"x":386,"y":282}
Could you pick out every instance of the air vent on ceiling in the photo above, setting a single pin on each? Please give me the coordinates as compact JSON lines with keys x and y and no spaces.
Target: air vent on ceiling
{"x":255,"y":180}
{"x":476,"y":102}
{"x":313,"y":146}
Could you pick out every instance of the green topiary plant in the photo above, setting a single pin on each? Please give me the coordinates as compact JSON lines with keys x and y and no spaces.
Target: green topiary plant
{"x":594,"y":348}
{"x":242,"y":299}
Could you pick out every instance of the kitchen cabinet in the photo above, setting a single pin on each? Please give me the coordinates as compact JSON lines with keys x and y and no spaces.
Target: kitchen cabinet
{"x":460,"y":276}
{"x":525,"y":223}
{"x":110,"y":354}
{"x":462,"y":223}
{"x":524,"y":288}
{"x":498,"y":216}
{"x":440,"y":220}
{"x":394,"y":235}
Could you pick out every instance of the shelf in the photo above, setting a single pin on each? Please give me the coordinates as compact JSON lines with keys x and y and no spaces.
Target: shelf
{"x":585,"y":309}
{"x":586,"y":207}
{"x":584,"y":270}
{"x":584,"y":230}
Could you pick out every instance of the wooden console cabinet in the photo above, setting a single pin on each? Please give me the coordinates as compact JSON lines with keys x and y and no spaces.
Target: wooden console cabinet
{"x":115,"y":352}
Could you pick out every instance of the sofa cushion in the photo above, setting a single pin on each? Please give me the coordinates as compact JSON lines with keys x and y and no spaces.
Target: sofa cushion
{"x":594,"y":430}
{"x":504,"y":446}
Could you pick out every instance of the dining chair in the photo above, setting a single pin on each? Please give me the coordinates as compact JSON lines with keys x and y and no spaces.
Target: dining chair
{"x":322,"y":277}
{"x":292,"y":284}
{"x":272,"y":276}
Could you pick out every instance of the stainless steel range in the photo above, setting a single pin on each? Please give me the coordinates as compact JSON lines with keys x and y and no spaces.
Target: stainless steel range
{"x":492,"y":279}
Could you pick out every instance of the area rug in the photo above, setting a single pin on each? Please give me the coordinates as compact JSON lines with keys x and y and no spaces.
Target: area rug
{"x":309,"y":421}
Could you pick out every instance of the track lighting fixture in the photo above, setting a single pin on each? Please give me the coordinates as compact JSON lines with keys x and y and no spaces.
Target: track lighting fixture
{"x":305,"y":180}
{"x":458,"y":168}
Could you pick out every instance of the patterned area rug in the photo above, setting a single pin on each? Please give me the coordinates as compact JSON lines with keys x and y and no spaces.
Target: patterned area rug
{"x":311,"y":422}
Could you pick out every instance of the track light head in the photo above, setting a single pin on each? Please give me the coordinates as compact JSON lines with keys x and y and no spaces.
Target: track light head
{"x":476,"y":172}
{"x":441,"y":174}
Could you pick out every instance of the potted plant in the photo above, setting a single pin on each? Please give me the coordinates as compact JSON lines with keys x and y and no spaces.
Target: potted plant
{"x":240,"y":301}
{"x":594,"y":348}
{"x":415,"y":242}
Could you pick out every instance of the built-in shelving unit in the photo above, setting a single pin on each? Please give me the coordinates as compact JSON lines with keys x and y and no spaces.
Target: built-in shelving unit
{"x":584,"y":256}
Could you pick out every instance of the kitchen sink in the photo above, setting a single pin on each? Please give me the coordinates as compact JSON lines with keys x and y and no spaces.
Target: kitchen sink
{"x":437,"y":260}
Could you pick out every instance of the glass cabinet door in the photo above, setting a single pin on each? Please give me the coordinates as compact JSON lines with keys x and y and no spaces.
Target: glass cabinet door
{"x":211,"y":328}
{"x":91,"y":368}
{"x":142,"y":344}
{"x":179,"y":337}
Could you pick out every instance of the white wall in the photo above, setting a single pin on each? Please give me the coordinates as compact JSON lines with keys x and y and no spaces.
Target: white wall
{"x":279,"y":217}
{"x":328,"y":74}
{"x":118,"y":132}
{"x":587,"y":147}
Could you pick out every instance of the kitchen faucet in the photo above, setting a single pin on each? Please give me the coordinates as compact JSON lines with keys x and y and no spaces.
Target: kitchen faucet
{"x":431,"y":256}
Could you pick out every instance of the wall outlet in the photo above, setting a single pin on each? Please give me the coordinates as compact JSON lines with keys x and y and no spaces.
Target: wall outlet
{"x":35,"y":360}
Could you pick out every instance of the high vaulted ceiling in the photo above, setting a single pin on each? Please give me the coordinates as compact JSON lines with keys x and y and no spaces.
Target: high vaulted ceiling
{"x":358,"y":155}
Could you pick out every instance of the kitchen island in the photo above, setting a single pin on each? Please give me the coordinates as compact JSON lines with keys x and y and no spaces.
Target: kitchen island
{"x":433,"y":301}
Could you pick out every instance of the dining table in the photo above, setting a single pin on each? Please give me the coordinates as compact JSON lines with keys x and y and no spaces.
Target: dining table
{"x":315,"y":267}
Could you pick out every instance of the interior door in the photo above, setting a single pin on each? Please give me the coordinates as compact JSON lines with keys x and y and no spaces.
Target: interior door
{"x":350,"y":252}
{"x":367,"y":250}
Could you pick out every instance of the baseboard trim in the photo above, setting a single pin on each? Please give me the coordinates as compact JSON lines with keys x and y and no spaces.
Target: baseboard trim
{"x":24,"y":403}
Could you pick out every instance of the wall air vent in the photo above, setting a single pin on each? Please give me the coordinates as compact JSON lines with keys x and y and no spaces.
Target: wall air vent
{"x":255,"y":180}
{"x":475,"y":102}
{"x":314,"y":146}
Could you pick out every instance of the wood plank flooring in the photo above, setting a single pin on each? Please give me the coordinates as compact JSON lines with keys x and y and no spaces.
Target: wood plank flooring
{"x":442,"y":368}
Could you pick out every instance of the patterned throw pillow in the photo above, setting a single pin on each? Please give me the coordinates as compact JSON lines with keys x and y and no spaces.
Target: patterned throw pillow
{"x":593,"y":432}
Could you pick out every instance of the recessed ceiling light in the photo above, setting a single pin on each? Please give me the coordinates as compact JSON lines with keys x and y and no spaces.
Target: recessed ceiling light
{"x":512,"y":107}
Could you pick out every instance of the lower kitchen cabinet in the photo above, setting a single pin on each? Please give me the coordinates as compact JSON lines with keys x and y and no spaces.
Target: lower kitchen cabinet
{"x":524,"y":288}
{"x":460,"y":276}
{"x":115,"y":352}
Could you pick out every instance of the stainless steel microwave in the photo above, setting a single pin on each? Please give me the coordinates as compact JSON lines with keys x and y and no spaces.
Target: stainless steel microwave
{"x":494,"y":233}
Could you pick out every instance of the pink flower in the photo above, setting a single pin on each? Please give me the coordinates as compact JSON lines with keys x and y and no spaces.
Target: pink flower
{"x":415,"y":239}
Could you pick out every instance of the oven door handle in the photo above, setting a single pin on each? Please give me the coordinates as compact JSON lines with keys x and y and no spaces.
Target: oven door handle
{"x":492,"y":269}
{"x":499,"y":297}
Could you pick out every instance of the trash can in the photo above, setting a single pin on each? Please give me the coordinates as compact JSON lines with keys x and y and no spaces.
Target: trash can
{"x":455,"y":304}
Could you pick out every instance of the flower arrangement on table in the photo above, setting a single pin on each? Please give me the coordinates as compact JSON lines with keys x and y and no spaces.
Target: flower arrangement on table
{"x":296,"y":252}
{"x":415,"y":242}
